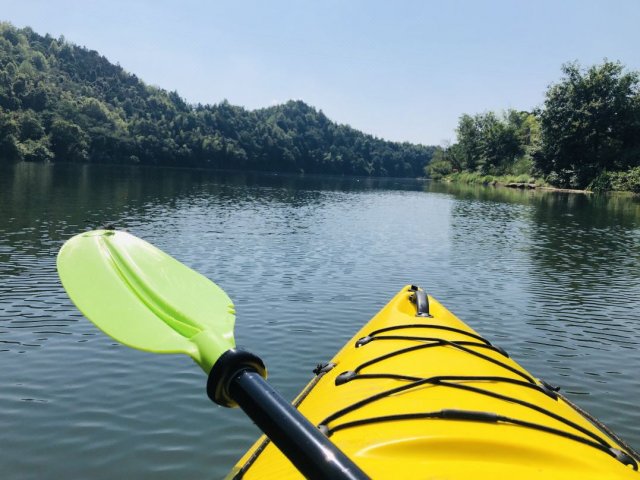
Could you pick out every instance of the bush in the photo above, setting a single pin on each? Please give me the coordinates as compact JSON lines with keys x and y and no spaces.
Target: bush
{"x":602,"y":183}
{"x":628,"y":181}
{"x":438,"y":169}
{"x":633,"y":180}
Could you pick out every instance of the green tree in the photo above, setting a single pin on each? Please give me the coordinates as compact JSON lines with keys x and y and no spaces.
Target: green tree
{"x":68,"y":141}
{"x":500,"y":146}
{"x":30,"y":126}
{"x":488,"y":143}
{"x":590,"y":123}
{"x":9,"y":144}
{"x":36,"y":150}
{"x":440,"y":165}
{"x":469,"y":139}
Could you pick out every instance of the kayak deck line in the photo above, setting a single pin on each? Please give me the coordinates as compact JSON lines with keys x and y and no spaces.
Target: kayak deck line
{"x":439,"y":342}
{"x":368,"y":338}
{"x":467,"y":415}
{"x":498,"y":421}
{"x":602,"y":427}
{"x":439,"y":379}
{"x":445,"y":381}
{"x":488,"y":417}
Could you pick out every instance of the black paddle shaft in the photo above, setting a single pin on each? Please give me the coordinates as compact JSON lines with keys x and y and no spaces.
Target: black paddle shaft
{"x":308,"y":449}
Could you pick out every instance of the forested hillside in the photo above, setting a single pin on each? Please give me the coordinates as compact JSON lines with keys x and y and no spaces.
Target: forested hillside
{"x":61,"y":102}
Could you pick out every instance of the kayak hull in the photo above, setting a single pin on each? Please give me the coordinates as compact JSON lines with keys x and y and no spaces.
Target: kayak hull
{"x":417,"y":393}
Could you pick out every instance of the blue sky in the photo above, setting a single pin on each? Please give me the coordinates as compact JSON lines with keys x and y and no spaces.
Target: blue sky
{"x":401,"y":70}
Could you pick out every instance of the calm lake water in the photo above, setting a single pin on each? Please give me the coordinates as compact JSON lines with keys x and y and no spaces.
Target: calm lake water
{"x":552,"y":277}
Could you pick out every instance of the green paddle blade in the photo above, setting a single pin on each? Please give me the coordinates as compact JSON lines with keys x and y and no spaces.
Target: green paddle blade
{"x":145,"y":299}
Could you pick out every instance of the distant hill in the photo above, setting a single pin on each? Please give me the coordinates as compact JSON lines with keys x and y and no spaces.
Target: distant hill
{"x":62,"y":102}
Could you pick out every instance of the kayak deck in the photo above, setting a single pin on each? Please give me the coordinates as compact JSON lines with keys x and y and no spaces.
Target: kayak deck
{"x":418,"y":394}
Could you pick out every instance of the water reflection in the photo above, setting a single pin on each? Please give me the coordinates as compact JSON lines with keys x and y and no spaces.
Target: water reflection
{"x":560,"y":275}
{"x":585,"y":249}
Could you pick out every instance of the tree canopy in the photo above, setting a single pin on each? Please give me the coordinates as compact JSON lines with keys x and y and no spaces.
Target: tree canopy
{"x":590,"y":123}
{"x":490,"y":144}
{"x":66,"y":103}
{"x":586,"y":135}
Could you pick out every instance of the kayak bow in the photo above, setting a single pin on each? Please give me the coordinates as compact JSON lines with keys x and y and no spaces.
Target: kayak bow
{"x":416,"y":393}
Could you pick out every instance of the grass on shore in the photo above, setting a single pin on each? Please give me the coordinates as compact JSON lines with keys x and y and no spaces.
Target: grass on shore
{"x":480,"y":179}
{"x":628,"y":181}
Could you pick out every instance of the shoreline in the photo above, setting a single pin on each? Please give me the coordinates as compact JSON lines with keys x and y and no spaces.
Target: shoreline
{"x":533,"y":186}
{"x":530,"y":186}
{"x":521,"y":182}
{"x":523,"y":186}
{"x":545,"y":188}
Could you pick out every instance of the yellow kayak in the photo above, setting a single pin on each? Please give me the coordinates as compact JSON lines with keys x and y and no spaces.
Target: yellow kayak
{"x":418,"y":394}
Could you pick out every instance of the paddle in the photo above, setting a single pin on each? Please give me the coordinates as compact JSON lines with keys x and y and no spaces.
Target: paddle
{"x":145,"y":299}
